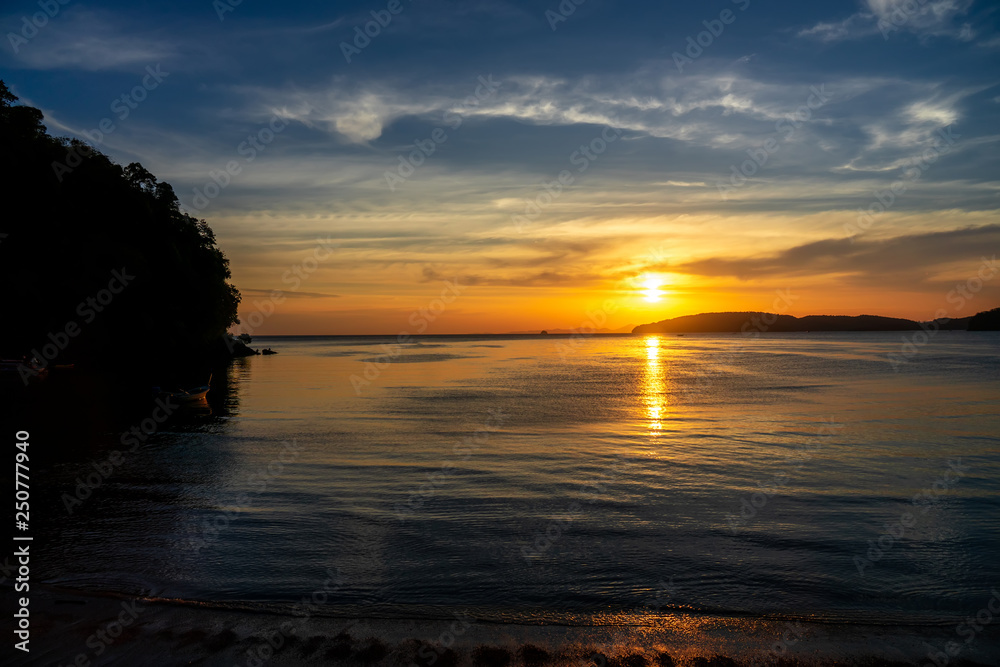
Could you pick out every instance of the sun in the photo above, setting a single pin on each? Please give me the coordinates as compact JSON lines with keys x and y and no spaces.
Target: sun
{"x":652,"y":292}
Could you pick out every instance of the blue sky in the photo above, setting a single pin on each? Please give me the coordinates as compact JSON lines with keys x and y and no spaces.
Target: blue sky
{"x":838,"y":101}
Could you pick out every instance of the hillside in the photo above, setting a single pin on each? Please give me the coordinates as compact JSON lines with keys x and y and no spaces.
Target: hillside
{"x":988,"y":320}
{"x":101,"y":266}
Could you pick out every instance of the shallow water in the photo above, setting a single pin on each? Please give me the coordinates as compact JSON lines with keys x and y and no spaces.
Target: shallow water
{"x":559,"y":480}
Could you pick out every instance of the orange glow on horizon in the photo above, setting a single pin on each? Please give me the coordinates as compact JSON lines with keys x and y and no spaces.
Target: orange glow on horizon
{"x":536,"y":282}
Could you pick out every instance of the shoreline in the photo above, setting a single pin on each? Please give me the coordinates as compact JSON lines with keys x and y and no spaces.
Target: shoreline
{"x":106,"y":628}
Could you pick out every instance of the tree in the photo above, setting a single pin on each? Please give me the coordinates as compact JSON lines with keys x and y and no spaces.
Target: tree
{"x":7,"y":98}
{"x":73,"y":217}
{"x":26,"y":121}
{"x":140,"y":178}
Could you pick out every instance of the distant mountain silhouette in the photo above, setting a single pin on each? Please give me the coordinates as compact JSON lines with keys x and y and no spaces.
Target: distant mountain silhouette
{"x":988,"y":320}
{"x":771,"y":322}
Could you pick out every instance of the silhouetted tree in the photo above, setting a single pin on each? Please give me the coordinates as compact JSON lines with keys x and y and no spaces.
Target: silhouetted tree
{"x":72,"y":217}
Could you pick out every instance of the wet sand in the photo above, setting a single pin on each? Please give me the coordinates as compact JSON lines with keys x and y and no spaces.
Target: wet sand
{"x":72,"y":628}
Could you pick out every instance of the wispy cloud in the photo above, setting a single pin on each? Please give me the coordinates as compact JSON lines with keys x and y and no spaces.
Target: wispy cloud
{"x":855,"y":26}
{"x":911,"y":257}
{"x":684,"y":108}
{"x":930,"y":18}
{"x":248,"y":292}
{"x":82,"y":39}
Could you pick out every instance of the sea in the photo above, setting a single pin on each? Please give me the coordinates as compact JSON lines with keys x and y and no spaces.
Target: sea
{"x":842,"y":479}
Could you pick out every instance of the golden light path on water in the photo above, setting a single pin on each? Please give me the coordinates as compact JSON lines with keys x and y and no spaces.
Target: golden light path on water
{"x":654,"y":386}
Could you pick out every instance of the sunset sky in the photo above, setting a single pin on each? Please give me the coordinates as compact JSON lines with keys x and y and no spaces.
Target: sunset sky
{"x":837,"y":101}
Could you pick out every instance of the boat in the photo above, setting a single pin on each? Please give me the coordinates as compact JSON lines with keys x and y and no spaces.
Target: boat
{"x":193,"y":395}
{"x":187,"y":396}
{"x":268,"y":350}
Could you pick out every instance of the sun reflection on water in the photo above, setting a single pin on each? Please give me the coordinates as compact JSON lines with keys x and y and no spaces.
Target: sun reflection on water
{"x":654,"y":386}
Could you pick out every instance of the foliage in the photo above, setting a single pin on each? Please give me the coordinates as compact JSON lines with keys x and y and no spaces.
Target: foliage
{"x":71,"y":217}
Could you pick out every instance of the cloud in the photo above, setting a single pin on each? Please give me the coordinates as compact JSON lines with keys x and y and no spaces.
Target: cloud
{"x":897,"y":137}
{"x":929,"y":18}
{"x":933,"y":17}
{"x":910,"y":259}
{"x":685,"y":108}
{"x":855,"y":26}
{"x":251,"y":292}
{"x":79,"y":39}
{"x":537,"y":279}
{"x":870,"y":125}
{"x":684,"y":184}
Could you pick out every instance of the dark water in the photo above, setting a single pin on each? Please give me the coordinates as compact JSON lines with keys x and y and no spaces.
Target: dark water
{"x":547,"y":479}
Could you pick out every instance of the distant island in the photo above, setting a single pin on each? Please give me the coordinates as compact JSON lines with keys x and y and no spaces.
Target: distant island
{"x":772,"y":322}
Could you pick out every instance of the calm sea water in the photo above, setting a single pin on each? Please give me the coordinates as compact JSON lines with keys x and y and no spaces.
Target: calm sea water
{"x":548,"y":479}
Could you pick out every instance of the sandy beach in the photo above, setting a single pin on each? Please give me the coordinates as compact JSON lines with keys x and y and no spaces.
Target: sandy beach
{"x":71,"y":628}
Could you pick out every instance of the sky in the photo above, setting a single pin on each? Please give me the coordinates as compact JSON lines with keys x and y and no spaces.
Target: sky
{"x":433,"y":166}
